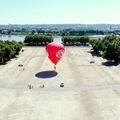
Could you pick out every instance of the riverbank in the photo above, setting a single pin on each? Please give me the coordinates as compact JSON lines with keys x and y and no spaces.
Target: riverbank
{"x":91,"y":89}
{"x":22,"y":37}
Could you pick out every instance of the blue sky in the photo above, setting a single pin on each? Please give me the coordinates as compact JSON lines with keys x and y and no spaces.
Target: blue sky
{"x":59,"y":11}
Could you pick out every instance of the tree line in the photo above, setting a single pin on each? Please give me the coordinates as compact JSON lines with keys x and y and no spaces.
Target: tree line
{"x":9,"y":50}
{"x":82,"y":32}
{"x":35,"y":40}
{"x":75,"y":40}
{"x":108,"y":48}
{"x":61,"y":32}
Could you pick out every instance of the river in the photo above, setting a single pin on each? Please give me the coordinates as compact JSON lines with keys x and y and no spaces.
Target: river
{"x":12,"y":37}
{"x":22,"y":37}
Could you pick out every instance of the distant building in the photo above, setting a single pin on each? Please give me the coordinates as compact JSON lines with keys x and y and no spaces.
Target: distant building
{"x":35,"y":33}
{"x":4,"y":31}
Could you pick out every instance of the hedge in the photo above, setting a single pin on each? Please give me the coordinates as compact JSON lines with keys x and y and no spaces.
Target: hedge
{"x":75,"y":40}
{"x":35,"y":40}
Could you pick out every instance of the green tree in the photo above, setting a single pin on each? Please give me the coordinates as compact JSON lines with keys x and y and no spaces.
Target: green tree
{"x":112,"y":52}
{"x":108,"y":47}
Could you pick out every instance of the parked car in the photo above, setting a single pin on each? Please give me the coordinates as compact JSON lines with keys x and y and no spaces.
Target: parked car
{"x":20,"y":65}
{"x":62,"y":84}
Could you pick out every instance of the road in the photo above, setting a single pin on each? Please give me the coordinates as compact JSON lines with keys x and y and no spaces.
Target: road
{"x":91,"y":92}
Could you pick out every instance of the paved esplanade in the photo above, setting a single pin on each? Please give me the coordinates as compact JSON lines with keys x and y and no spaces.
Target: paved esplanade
{"x":91,"y":92}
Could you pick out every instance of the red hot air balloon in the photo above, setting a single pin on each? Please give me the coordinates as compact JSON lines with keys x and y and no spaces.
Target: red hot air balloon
{"x":55,"y":51}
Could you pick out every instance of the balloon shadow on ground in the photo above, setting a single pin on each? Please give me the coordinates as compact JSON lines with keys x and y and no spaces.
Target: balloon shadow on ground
{"x":46,"y":74}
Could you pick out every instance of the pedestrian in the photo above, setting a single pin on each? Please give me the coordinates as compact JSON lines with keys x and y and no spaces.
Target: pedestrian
{"x":30,"y":86}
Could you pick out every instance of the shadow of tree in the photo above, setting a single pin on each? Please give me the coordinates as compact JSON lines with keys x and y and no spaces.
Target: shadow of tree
{"x":94,"y":54}
{"x":109,"y":63}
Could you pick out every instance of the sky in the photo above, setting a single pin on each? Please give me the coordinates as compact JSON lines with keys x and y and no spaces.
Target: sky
{"x":59,"y":12}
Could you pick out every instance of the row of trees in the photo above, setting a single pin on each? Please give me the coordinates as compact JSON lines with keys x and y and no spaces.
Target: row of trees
{"x":59,"y":31}
{"x":9,"y":50}
{"x":108,"y":47}
{"x":35,"y":40}
{"x":75,"y":40}
{"x":82,"y":32}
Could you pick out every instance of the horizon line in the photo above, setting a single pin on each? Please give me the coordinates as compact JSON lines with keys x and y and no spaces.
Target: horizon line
{"x":62,"y":24}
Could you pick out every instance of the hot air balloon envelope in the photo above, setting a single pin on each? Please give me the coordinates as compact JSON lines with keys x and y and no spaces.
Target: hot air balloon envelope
{"x":55,"y":51}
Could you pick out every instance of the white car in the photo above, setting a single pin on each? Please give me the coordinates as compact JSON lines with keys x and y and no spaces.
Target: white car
{"x":62,"y":84}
